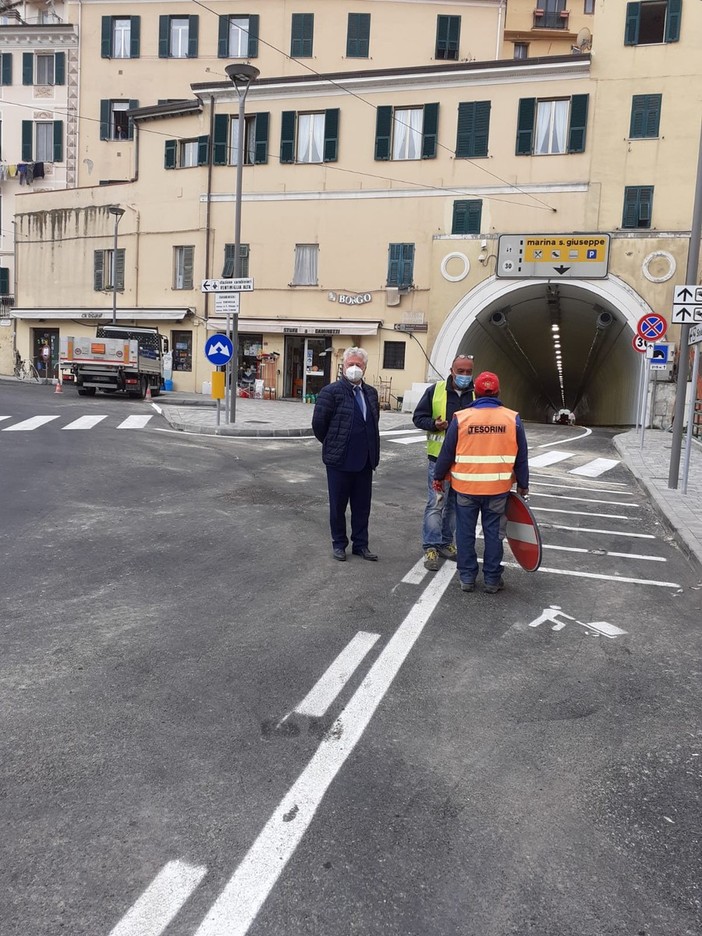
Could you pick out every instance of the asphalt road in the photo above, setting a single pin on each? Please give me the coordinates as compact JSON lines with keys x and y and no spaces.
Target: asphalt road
{"x":483,"y":766}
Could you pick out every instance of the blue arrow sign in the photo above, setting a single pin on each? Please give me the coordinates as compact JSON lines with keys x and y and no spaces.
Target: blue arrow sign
{"x":219,"y":350}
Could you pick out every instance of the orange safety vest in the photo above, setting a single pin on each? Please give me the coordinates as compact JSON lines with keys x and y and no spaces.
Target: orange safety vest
{"x":485,"y":451}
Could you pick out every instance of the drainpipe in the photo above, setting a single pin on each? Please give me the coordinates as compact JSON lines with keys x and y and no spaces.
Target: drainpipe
{"x":208,"y":207}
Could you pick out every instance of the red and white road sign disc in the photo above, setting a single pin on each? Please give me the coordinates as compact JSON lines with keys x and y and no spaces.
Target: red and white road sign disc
{"x":651,"y":327}
{"x":638,"y":344}
{"x":523,"y":533}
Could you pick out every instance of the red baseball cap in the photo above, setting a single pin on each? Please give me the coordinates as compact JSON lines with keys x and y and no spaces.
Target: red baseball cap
{"x":487,"y":382}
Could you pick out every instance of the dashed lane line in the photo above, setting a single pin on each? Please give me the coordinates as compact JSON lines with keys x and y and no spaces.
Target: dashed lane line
{"x":556,"y":526}
{"x":330,"y":684}
{"x":581,"y":513}
{"x":575,"y":487}
{"x":161,"y":900}
{"x":587,"y":500}
{"x":600,"y":576}
{"x":604,"y":552}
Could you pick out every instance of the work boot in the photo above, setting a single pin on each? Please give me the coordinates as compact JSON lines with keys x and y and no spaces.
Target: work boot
{"x":494,"y":587}
{"x":468,"y":586}
{"x":448,"y":552}
{"x":431,"y":560}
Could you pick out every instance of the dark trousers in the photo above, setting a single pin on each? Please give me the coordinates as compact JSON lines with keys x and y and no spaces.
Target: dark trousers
{"x":354,"y":487}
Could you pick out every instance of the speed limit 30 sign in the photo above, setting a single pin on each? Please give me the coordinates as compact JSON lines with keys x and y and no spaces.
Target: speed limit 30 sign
{"x":638,"y":344}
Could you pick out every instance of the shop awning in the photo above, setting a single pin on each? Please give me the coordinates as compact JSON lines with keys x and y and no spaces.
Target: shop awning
{"x":309,"y":327}
{"x":101,"y":315}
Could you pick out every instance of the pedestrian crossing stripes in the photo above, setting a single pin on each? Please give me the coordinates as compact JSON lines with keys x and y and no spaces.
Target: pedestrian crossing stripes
{"x":81,"y":423}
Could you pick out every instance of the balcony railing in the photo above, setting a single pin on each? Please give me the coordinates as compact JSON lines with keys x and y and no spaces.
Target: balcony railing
{"x":547,"y":19}
{"x":6,"y":303}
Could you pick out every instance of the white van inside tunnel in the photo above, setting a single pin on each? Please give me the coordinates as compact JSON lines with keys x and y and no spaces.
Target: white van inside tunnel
{"x":554,"y":344}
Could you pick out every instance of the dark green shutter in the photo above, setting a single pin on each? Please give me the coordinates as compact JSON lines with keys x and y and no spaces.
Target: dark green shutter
{"x":525,"y":126}
{"x":645,"y":116}
{"x":394,"y":261}
{"x":645,"y":205}
{"x":287,"y":137}
{"x":27,"y":68}
{"x":578,"y":123}
{"x":98,"y":270}
{"x":104,"y":120}
{"x":221,"y":132}
{"x":4,"y":281}
{"x":637,"y":206}
{"x":169,"y":157}
{"x":400,"y":265}
{"x":358,"y":35}
{"x":253,"y":35}
{"x":106,"y":41}
{"x":383,"y":128}
{"x":203,"y":150}
{"x":7,"y":68}
{"x":193,"y":31}
{"x":119,"y":268}
{"x":467,"y":216}
{"x":473,"y":129}
{"x":59,"y":68}
{"x":448,"y":33}
{"x":130,"y":123}
{"x":58,"y":141}
{"x":188,"y":264}
{"x":261,"y":138}
{"x":429,"y":130}
{"x":27,"y":140}
{"x":633,"y":17}
{"x":223,"y":37}
{"x":135,"y":36}
{"x":228,"y":268}
{"x":164,"y":36}
{"x":672,"y":20}
{"x":302,"y":35}
{"x":331,"y":135}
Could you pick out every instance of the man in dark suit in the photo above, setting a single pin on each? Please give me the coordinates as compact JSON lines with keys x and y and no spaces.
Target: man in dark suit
{"x":345,"y":420}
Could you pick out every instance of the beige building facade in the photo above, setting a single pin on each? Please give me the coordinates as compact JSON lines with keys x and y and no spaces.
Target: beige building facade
{"x":526,"y":211}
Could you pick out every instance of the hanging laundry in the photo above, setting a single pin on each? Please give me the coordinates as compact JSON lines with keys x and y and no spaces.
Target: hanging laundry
{"x":39,"y":170}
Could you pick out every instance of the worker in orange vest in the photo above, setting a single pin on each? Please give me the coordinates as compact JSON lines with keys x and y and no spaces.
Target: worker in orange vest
{"x":484,"y":451}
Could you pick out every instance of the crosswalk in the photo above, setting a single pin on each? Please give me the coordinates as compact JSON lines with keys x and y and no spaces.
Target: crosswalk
{"x":135,"y":421}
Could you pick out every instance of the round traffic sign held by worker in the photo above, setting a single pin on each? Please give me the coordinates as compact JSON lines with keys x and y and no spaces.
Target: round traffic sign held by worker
{"x":651,"y":327}
{"x":523,"y":533}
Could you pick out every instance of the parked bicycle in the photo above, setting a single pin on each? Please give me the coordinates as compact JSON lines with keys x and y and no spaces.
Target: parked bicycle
{"x":25,"y":370}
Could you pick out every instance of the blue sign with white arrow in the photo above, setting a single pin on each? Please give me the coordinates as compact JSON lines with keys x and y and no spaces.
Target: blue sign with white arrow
{"x":219,"y":350}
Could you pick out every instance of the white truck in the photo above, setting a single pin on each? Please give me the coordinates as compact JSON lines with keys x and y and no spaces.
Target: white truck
{"x":118,"y":358}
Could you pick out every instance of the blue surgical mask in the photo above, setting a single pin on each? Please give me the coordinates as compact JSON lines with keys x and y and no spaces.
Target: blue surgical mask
{"x":462,"y":381}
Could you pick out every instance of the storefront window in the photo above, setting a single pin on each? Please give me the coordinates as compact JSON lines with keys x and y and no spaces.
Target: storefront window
{"x":182,"y":342}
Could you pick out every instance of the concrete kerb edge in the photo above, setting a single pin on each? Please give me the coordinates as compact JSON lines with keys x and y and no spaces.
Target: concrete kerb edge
{"x":240,"y":433}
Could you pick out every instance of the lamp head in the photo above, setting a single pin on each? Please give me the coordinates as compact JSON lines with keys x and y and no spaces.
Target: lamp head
{"x":241,"y":73}
{"x":115,"y":210}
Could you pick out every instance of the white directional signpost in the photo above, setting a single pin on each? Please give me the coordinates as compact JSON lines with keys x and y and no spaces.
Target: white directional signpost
{"x":687,"y":305}
{"x":243,"y":284}
{"x":227,"y":302}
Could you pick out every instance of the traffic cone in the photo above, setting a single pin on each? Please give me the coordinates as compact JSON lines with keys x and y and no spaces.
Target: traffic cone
{"x":58,"y":388}
{"x":148,"y":393}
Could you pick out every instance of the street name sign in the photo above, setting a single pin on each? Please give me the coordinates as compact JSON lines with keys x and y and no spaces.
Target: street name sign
{"x":227,"y":303}
{"x":695,"y":335}
{"x":243,"y":284}
{"x":218,"y":350}
{"x":559,"y":256}
{"x":651,"y":327}
{"x":687,"y":305}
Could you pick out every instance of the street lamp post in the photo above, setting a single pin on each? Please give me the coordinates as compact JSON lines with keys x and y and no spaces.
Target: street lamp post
{"x":117,"y":212}
{"x":241,"y":75}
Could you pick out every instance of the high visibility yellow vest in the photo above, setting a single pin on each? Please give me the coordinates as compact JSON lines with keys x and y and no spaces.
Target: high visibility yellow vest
{"x":435,"y":439}
{"x":485,"y":451}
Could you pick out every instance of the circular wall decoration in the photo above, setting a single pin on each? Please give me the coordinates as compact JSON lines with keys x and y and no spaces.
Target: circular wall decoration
{"x":455,"y":278}
{"x":659,"y":266}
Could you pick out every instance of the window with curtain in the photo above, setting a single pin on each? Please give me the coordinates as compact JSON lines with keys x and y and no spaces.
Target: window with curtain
{"x":44,"y":148}
{"x":551,"y":127}
{"x":121,"y":37}
{"x":183,"y":261}
{"x":306,"y":263}
{"x":45,"y":69}
{"x":188,"y":153}
{"x":239,"y":37}
{"x":249,"y":140}
{"x":179,"y":35}
{"x":407,"y":133}
{"x":310,"y":138}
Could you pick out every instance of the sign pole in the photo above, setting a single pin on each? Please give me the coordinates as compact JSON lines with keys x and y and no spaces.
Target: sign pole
{"x":644,"y":400}
{"x":638,"y":393}
{"x":691,"y":415}
{"x":228,"y":377}
{"x":693,"y":259}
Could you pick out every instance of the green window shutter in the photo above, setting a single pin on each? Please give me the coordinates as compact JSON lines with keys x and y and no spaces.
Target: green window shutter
{"x":302,"y":35}
{"x":473,"y":129}
{"x":98,"y":270}
{"x":645,"y":115}
{"x":228,"y":268}
{"x":383,"y":128}
{"x":448,"y":34}
{"x":169,"y":157}
{"x":106,"y":39}
{"x":223,"y":37}
{"x":188,"y":265}
{"x":400,"y":265}
{"x":6,"y":68}
{"x":287,"y":137}
{"x":193,"y":31}
{"x":59,"y":68}
{"x":653,"y":117}
{"x":4,"y":281}
{"x":164,"y":29}
{"x":130,"y":126}
{"x":633,"y":17}
{"x":429,"y":130}
{"x":672,"y":20}
{"x":243,"y":259}
{"x":104,"y":119}
{"x":578,"y":123}
{"x":358,"y":35}
{"x":27,"y":68}
{"x":645,"y":205}
{"x":119,"y":268}
{"x":261,"y":138}
{"x":203,"y":150}
{"x":253,"y":35}
{"x":221,"y":132}
{"x":467,"y":216}
{"x":638,"y":204}
{"x":331,"y":135}
{"x":525,"y":126}
{"x":58,"y":141}
{"x":394,"y":261}
{"x":135,"y":37}
{"x":27,"y":140}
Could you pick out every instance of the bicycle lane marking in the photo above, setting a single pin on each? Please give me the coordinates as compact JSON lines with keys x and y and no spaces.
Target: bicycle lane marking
{"x":237,"y":906}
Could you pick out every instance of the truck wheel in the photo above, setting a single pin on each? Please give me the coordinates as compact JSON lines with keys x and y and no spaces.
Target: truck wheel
{"x":86,"y":391}
{"x":143,"y":384}
{"x":155,"y":391}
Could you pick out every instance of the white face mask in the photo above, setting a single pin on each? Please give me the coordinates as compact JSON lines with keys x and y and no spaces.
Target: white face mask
{"x":354,"y":373}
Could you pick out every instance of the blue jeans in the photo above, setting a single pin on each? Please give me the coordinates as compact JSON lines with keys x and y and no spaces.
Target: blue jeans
{"x":491,"y":509}
{"x":439,"y":521}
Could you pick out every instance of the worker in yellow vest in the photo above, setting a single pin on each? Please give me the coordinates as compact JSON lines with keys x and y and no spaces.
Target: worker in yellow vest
{"x":433,"y":414}
{"x":484,"y":452}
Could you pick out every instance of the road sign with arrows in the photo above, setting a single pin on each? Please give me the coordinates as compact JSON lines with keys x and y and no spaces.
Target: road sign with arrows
{"x":687,"y":305}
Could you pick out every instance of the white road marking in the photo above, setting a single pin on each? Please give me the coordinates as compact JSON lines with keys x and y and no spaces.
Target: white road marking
{"x":610,"y":484}
{"x":581,"y":549}
{"x":602,"y":577}
{"x":135,"y":422}
{"x":161,"y":900}
{"x":582,"y":435}
{"x":410,"y":440}
{"x":385,"y":433}
{"x":549,"y":458}
{"x":595,"y":468}
{"x":575,"y":487}
{"x":587,"y":500}
{"x":4,"y":417}
{"x":157,"y":408}
{"x":237,"y":906}
{"x":416,"y":574}
{"x":28,"y":424}
{"x":556,"y":526}
{"x":581,"y":513}
{"x":85,"y":422}
{"x":328,"y":687}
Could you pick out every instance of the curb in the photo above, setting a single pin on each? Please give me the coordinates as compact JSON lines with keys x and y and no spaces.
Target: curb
{"x":240,"y":433}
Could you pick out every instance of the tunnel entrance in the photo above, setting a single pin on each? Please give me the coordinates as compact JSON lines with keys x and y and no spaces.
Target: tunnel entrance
{"x":554,"y":344}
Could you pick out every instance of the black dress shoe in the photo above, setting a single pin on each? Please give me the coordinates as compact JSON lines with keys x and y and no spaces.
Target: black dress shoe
{"x":340,"y":554}
{"x":365,"y":553}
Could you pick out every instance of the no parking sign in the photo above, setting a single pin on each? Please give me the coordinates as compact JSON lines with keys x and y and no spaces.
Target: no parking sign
{"x":651,"y":327}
